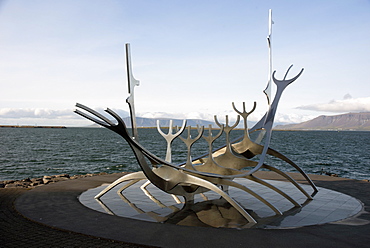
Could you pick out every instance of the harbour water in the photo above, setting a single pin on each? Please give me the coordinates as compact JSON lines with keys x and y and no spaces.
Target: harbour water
{"x":35,"y":152}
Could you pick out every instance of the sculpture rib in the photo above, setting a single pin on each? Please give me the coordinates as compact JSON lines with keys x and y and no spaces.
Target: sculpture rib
{"x":228,"y":182}
{"x":287,"y":160}
{"x":271,"y":168}
{"x":208,"y":185}
{"x":264,"y":183}
{"x":137,"y":176}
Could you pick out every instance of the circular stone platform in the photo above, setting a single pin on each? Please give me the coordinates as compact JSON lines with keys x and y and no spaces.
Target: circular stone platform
{"x":153,"y":205}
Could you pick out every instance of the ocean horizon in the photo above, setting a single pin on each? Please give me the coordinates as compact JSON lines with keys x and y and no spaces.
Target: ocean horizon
{"x":35,"y":152}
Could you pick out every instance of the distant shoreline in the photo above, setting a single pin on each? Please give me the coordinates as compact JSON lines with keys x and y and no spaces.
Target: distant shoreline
{"x":278,"y":129}
{"x":323,"y":130}
{"x":17,"y":126}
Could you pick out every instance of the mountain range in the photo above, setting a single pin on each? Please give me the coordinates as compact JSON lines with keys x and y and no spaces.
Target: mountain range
{"x":164,"y":122}
{"x":142,"y":122}
{"x":349,"y":121}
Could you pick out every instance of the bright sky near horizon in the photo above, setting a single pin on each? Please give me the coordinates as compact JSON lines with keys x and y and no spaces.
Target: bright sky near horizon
{"x":193,"y":58}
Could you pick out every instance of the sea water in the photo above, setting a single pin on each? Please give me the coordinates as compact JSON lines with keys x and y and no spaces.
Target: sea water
{"x":35,"y":152}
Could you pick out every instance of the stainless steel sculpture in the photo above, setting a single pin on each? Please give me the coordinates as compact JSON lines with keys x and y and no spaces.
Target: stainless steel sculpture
{"x":132,"y":82}
{"x":217,"y":170}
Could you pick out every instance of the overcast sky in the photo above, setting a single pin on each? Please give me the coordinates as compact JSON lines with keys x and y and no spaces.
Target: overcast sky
{"x":193,"y":58}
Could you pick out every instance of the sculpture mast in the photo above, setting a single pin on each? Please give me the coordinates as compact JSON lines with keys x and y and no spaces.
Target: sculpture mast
{"x":267,"y":91}
{"x":132,"y":82}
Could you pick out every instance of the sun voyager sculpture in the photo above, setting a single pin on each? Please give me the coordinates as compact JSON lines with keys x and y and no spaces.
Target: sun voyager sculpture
{"x":221,"y":169}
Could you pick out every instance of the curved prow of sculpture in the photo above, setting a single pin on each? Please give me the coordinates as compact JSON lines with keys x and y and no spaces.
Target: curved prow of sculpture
{"x":267,"y":121}
{"x":270,"y":114}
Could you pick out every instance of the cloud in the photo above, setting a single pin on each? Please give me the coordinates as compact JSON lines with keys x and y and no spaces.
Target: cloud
{"x":190,"y":115}
{"x":35,"y":113}
{"x":187,"y":116}
{"x":292,"y":118}
{"x":42,"y":113}
{"x":43,"y":116}
{"x":280,"y":117}
{"x":348,"y":104}
{"x":347,"y":96}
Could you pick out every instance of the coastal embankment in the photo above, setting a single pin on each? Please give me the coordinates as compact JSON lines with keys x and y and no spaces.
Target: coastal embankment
{"x":27,"y":126}
{"x":34,"y":182}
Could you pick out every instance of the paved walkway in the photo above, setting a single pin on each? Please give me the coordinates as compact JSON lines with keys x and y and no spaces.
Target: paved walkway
{"x":17,"y":231}
{"x":57,"y":219}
